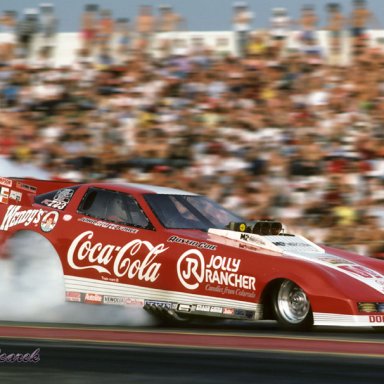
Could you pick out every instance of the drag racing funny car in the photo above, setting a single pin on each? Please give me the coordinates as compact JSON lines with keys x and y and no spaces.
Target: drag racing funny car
{"x":178,"y":255}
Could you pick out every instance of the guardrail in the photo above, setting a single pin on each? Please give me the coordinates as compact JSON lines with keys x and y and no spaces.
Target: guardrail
{"x":67,"y":44}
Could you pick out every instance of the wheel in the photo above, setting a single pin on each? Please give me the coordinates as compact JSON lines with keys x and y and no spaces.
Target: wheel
{"x":292,"y":307}
{"x":32,"y":281}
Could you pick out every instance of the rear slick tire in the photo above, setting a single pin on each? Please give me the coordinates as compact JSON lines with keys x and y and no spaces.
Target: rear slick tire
{"x":32,"y":279}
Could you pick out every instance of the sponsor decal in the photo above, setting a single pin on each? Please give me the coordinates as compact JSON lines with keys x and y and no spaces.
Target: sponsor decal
{"x":202,"y":308}
{"x":293,"y":244}
{"x":193,"y":271}
{"x":73,"y":296}
{"x":113,"y":279}
{"x":249,"y":247}
{"x":192,"y":243}
{"x":334,"y":260}
{"x":361,"y":271}
{"x":376,"y":319}
{"x":119,"y":300}
{"x":64,"y":195}
{"x":4,"y":195}
{"x":134,"y":302}
{"x":136,"y":259}
{"x":26,"y":187}
{"x":113,"y":300}
{"x":106,"y":225}
{"x":159,"y":304}
{"x":220,"y":310}
{"x":93,"y":298}
{"x":14,"y":195}
{"x":5,"y":182}
{"x":240,"y":312}
{"x":15,"y":216}
{"x":228,"y":311}
{"x":230,"y":291}
{"x":250,"y":314}
{"x":60,"y":200}
{"x":49,"y":221}
{"x":257,"y":240}
{"x":54,"y":204}
{"x":184,"y":308}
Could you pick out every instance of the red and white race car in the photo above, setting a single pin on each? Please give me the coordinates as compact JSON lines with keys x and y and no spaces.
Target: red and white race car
{"x":180,"y":255}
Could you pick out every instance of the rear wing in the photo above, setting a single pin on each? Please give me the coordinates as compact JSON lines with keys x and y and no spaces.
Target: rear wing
{"x":21,"y":191}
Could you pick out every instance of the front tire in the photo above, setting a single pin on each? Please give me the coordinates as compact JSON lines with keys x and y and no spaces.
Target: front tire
{"x":292,"y":307}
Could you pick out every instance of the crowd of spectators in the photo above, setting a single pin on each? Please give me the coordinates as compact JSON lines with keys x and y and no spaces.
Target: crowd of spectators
{"x":272,"y":133}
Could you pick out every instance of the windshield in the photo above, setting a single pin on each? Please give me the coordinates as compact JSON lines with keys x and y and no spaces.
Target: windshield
{"x":189,"y":212}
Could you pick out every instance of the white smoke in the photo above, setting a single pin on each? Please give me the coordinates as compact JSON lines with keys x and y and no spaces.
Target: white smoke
{"x":32,"y":290}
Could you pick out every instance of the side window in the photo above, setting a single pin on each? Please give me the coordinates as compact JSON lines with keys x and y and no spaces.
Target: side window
{"x":114,"y":207}
{"x":57,"y":199}
{"x":95,"y":203}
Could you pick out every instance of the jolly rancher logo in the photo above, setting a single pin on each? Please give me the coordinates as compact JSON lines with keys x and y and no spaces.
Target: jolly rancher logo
{"x":192,"y":270}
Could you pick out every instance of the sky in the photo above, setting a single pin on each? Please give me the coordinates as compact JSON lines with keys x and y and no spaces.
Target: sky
{"x":202,"y":15}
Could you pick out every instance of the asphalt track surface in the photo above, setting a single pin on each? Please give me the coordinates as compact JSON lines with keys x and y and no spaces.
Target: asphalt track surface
{"x":224,"y":353}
